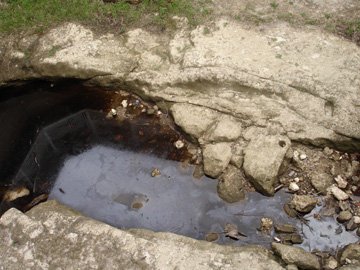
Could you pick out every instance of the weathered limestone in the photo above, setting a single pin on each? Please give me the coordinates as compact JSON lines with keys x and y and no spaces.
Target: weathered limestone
{"x":350,"y":252}
{"x":230,"y":186}
{"x":262,"y":161}
{"x":321,"y":181}
{"x":52,"y":236}
{"x":296,"y":255}
{"x":216,"y":158}
{"x":303,"y":203}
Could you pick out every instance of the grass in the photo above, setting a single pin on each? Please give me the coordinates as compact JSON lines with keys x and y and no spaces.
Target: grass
{"x":40,"y":15}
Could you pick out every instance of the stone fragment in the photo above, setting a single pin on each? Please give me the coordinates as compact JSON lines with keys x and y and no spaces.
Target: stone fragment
{"x":321,"y":181}
{"x":211,"y":237}
{"x":230,"y":186}
{"x":263,"y":158}
{"x":302,"y":157}
{"x":341,"y":182}
{"x":350,"y":252}
{"x":194,"y":120}
{"x":303,"y":203}
{"x":12,"y":195}
{"x":296,"y":255}
{"x":286,"y":228}
{"x":289,"y":211}
{"x":291,"y":267}
{"x":266,"y":225}
{"x":293,"y":186}
{"x":331,"y":263}
{"x":357,"y":220}
{"x":338,"y":193}
{"x":351,"y":225}
{"x":216,"y":158}
{"x":237,"y":158}
{"x":179,"y":144}
{"x":227,"y":129}
{"x":344,"y":216}
{"x":290,"y":238}
{"x":155,"y":172}
{"x":328,"y":151}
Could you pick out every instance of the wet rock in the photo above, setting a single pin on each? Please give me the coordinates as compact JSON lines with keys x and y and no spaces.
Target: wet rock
{"x":286,"y":228}
{"x":266,"y":225}
{"x":338,"y":193}
{"x":351,"y":225}
{"x":211,"y":237}
{"x":296,"y":255}
{"x":194,"y":120}
{"x":231,"y":231}
{"x":289,"y":211}
{"x":263,"y":158}
{"x":331,"y":263}
{"x":290,"y":238}
{"x":226,"y":129}
{"x":303,"y":203}
{"x":198,"y":172}
{"x":344,"y":216}
{"x":216,"y":158}
{"x":321,"y":181}
{"x":237,"y":158}
{"x":350,"y":252}
{"x":230,"y":186}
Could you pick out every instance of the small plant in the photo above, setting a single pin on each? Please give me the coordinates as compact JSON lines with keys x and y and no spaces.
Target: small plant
{"x":274,"y":5}
{"x":238,"y":18}
{"x":327,"y":16}
{"x":291,"y":3}
{"x":278,"y":56}
{"x":206,"y":31}
{"x":350,"y":31}
{"x":303,"y":15}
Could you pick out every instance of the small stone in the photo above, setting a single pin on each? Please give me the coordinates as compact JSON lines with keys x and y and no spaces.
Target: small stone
{"x":12,"y":195}
{"x":338,"y":193}
{"x":266,"y":224}
{"x":350,"y":252}
{"x":328,"y":151}
{"x":179,"y":144}
{"x":341,"y":182}
{"x":156,"y":108}
{"x":344,"y":216}
{"x":357,"y":219}
{"x":286,"y":228}
{"x":296,"y":154}
{"x":331,"y":263}
{"x":351,"y":225}
{"x":303,"y":156}
{"x":113,"y":112}
{"x":289,"y":211}
{"x":291,"y":267}
{"x":155,"y":172}
{"x":211,"y":237}
{"x":293,"y":187}
{"x":303,"y":203}
{"x":296,"y":239}
{"x":296,"y":179}
{"x":124,"y":103}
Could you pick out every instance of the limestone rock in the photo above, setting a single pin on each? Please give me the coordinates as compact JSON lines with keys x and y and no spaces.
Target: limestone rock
{"x":331,"y":263}
{"x":263,"y":158}
{"x":344,"y":216}
{"x":266,"y":225}
{"x":230,"y":186}
{"x":303,"y":203}
{"x":227,"y":129}
{"x":52,"y":236}
{"x":351,"y":252}
{"x":338,"y":193}
{"x":321,"y":181}
{"x":237,"y":158}
{"x":216,"y":158}
{"x":296,"y":255}
{"x":194,"y":120}
{"x":286,"y":228}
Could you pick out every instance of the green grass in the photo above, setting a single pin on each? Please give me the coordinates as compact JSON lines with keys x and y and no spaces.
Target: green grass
{"x":17,"y":15}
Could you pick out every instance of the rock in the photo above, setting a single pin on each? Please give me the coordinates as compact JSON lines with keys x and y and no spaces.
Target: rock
{"x":358,"y":232}
{"x":290,"y":238}
{"x":291,"y":267}
{"x":303,"y":203}
{"x":293,"y":186}
{"x":331,"y":263}
{"x":302,"y":157}
{"x":155,"y":172}
{"x":357,"y":220}
{"x":12,"y":195}
{"x":226,"y":129}
{"x":263,"y":158}
{"x":351,"y":225}
{"x":351,"y":252}
{"x":266,"y":225}
{"x":30,"y":239}
{"x":341,"y":182}
{"x":344,"y":216}
{"x":230,"y":186}
{"x":321,"y":181}
{"x":289,"y":211}
{"x":237,"y":158}
{"x":349,"y":267}
{"x":211,"y":237}
{"x":216,"y":158}
{"x":286,"y":228}
{"x":296,"y":255}
{"x":338,"y":193}
{"x":328,"y":151}
{"x":194,"y":120}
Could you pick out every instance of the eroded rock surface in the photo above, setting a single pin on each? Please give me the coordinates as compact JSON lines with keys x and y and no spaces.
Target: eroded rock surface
{"x":52,"y":236}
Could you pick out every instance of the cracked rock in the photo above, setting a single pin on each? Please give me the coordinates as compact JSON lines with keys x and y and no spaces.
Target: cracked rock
{"x":216,"y":158}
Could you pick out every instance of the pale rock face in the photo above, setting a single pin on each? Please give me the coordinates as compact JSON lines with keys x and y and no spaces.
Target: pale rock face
{"x":216,"y":158}
{"x":303,"y":203}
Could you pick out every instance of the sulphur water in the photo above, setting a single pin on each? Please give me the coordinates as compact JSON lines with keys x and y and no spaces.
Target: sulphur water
{"x":116,"y":187}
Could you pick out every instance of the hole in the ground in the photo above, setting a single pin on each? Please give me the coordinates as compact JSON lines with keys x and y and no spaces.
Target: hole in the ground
{"x":130,"y":168}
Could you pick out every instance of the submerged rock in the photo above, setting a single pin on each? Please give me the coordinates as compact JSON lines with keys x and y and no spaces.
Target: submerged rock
{"x":296,"y":255}
{"x":303,"y":203}
{"x":230,"y":186}
{"x":286,"y":228}
{"x":263,"y":158}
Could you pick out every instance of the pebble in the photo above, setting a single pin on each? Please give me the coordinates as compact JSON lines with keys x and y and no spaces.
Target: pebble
{"x":338,"y":193}
{"x":113,"y":112}
{"x":124,"y":103}
{"x":179,"y":144}
{"x":293,"y":187}
{"x":344,"y":216}
{"x":266,"y":224}
{"x":357,"y":219}
{"x":155,"y":172}
{"x":328,"y":151}
{"x":340,"y":181}
{"x":303,"y":156}
{"x":331,"y":263}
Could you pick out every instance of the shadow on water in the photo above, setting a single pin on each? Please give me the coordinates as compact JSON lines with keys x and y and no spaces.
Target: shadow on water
{"x":104,"y":167}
